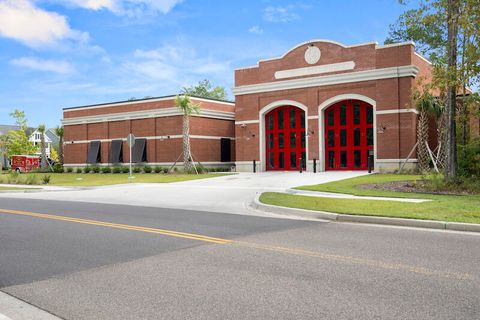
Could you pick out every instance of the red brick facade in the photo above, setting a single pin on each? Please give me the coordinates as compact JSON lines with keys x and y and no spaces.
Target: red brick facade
{"x":382,"y":76}
{"x":156,"y":120}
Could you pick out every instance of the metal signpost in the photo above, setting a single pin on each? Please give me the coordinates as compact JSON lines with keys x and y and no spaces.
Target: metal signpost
{"x":131,"y":143}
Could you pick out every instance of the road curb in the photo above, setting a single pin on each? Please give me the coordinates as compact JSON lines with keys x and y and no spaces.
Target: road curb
{"x":312,"y":214}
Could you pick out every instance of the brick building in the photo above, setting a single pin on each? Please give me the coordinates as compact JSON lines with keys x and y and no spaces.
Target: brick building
{"x":320,"y":103}
{"x":331,"y":104}
{"x":96,"y":134}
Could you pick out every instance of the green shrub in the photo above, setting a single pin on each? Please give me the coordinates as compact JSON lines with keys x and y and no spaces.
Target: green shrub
{"x":87,"y":169}
{"x":125,"y":169}
{"x":79,"y":170}
{"x":46,"y":179}
{"x":136,"y":169}
{"x":469,"y":166}
{"x":95,"y":169}
{"x":116,"y":169}
{"x":69,"y":170}
{"x":106,"y":170}
{"x":58,"y":168}
{"x":157,"y":169}
{"x":147,"y":169}
{"x":165,"y":170}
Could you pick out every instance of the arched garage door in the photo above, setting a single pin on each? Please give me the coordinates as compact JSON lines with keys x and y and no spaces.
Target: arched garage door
{"x":348,"y":135}
{"x":285,"y":138}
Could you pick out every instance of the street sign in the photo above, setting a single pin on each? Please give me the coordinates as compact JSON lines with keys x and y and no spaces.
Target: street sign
{"x":131,"y":140}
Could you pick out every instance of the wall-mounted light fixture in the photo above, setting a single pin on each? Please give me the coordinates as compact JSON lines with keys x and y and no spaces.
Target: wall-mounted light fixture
{"x":381,"y":128}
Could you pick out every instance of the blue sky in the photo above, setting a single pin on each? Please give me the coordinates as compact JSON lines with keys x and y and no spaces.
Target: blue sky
{"x":61,"y":53}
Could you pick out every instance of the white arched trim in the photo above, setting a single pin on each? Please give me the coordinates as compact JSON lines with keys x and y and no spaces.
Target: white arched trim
{"x":261,"y":129}
{"x":341,"y":97}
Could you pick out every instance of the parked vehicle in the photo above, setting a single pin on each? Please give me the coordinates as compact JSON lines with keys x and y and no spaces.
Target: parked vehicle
{"x":23,"y":163}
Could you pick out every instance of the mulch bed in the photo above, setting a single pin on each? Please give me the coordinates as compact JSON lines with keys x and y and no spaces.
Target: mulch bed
{"x":419,"y":186}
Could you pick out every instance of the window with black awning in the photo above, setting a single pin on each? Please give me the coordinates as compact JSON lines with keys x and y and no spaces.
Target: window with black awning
{"x":139,"y":152}
{"x":116,"y":151}
{"x":225,"y":150}
{"x":94,"y":155}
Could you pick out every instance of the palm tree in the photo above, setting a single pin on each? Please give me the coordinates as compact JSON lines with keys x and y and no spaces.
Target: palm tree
{"x":187,"y":108}
{"x":43,"y":158}
{"x":59,"y":132}
{"x":427,"y":106}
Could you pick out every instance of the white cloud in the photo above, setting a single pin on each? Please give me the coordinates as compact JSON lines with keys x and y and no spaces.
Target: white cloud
{"x":34,"y":27}
{"x":279,"y":14}
{"x":125,"y":7}
{"x":255,"y":30}
{"x":56,"y":66}
{"x":175,"y":66}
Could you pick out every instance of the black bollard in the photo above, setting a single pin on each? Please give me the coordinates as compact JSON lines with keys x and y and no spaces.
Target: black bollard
{"x":254,"y":166}
{"x":314,"y":165}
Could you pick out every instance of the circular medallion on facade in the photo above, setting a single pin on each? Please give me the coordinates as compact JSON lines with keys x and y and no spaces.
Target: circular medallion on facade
{"x":312,"y":55}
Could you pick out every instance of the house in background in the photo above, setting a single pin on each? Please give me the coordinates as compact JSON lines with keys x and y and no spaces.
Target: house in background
{"x":51,"y":141}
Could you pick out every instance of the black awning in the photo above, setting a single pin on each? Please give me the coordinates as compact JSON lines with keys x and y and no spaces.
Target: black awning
{"x":225,"y":150}
{"x":116,"y":151}
{"x":139,"y":152}
{"x":94,"y":152}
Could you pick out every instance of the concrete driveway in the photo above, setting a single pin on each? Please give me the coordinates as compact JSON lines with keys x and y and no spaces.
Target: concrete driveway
{"x":229,"y":194}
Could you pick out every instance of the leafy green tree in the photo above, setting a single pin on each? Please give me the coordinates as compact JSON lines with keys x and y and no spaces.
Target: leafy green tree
{"x":18,"y":143}
{"x":187,"y":108}
{"x":448,"y":32}
{"x":20,"y":119}
{"x":206,"y":90}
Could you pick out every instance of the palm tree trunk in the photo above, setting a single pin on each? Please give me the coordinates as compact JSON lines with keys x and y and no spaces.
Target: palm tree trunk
{"x":187,"y":162}
{"x":43,"y":159}
{"x":422,"y":139}
{"x":60,"y":151}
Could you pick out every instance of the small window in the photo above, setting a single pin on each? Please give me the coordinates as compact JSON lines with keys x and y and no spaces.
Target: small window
{"x":357,"y":158}
{"x":369,"y":136}
{"x":369,"y":115}
{"x":270,"y":122}
{"x":331,"y":159}
{"x":302,"y":139}
{"x":270,"y":160}
{"x":281,"y":160}
{"x":343,"y":137}
{"x":356,"y":113}
{"x":280,"y":140}
{"x":302,"y":120}
{"x":343,"y":115}
{"x":293,"y":140}
{"x":331,"y":138}
{"x":280,"y":119}
{"x":343,"y":159}
{"x":293,"y":118}
{"x":270,"y":140}
{"x":331,"y":118}
{"x":293,"y":159}
{"x":356,"y":137}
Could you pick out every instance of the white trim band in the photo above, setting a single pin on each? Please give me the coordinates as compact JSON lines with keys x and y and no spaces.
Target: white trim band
{"x":397,"y":111}
{"x":396,"y":160}
{"x":246,"y":122}
{"x":144,"y":114}
{"x":359,"y":76}
{"x":165,"y":137}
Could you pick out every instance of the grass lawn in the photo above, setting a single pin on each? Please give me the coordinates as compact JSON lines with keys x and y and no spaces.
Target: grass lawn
{"x":99,"y":179}
{"x":442,"y":207}
{"x":15,"y":188}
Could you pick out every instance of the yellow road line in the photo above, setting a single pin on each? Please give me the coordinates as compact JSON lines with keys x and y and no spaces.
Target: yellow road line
{"x":293,"y":251}
{"x":120,"y":226}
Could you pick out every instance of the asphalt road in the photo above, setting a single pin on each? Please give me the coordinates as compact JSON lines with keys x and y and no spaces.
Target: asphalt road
{"x":96,"y":261}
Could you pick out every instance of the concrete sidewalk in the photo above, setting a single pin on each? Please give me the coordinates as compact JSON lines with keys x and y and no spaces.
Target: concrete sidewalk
{"x":228,"y":194}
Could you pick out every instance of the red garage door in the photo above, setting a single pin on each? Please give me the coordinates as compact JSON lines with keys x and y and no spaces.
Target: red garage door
{"x":348,"y":135}
{"x":285,"y":138}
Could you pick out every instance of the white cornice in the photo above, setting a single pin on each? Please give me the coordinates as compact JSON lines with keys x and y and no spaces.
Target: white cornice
{"x":156,"y":113}
{"x":125,"y":103}
{"x":399,"y":44}
{"x":367,"y":75}
{"x":397,"y":111}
